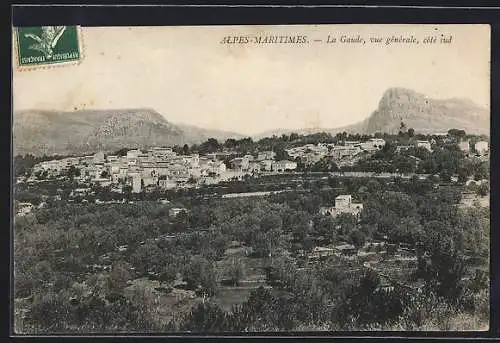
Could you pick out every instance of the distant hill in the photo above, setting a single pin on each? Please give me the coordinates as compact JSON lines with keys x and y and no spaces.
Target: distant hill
{"x":417,"y":111}
{"x":86,"y":131}
{"x":197,"y":134}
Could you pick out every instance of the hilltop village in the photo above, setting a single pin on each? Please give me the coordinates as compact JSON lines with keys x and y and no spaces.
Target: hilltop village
{"x":167,"y":169}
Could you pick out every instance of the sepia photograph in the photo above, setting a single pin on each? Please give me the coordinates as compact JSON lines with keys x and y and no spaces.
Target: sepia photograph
{"x":250,"y":179}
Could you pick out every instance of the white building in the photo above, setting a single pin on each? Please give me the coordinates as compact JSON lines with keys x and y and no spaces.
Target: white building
{"x":23,"y":208}
{"x":481,"y":147}
{"x":123,"y":171}
{"x":112,"y":158}
{"x":135,"y":180}
{"x":424,"y":144}
{"x":266,"y":155}
{"x":98,"y":158}
{"x":175,"y":211}
{"x":240,"y":163}
{"x":343,"y":204}
{"x":195,"y":160}
{"x":133,"y":154}
{"x":167,"y":183}
{"x":266,"y":165}
{"x":101,"y":181}
{"x":162,"y":152}
{"x":281,"y":166}
{"x":340,"y":152}
{"x":464,"y":145}
{"x":377,"y":141}
{"x":373,"y":144}
{"x":114,"y":168}
{"x":212,"y":167}
{"x":54,"y":166}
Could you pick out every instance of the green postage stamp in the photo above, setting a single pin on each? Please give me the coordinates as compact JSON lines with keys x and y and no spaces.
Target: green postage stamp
{"x":47,"y":45}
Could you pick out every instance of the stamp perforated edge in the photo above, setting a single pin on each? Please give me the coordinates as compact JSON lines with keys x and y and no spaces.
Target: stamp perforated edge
{"x":16,"y":64}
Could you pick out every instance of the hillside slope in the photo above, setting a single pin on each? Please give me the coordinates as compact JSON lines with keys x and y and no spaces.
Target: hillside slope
{"x":424,"y":114}
{"x":86,"y":131}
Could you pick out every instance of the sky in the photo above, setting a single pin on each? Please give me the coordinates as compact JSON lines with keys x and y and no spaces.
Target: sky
{"x":190,"y":77}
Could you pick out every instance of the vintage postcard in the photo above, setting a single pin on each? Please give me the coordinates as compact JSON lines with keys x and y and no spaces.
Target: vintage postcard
{"x":251,"y":179}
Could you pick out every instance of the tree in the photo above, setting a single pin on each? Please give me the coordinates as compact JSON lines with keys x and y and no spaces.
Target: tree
{"x":357,"y":238}
{"x":402,"y":127}
{"x":411,"y":132}
{"x":72,"y":172}
{"x":455,"y":133}
{"x":121,"y":152}
{"x":299,"y":225}
{"x":209,"y":146}
{"x":482,"y":171}
{"x":281,"y":273}
{"x":281,"y":154}
{"x":271,"y":221}
{"x":50,"y":313}
{"x":147,"y":258}
{"x":462,"y":175}
{"x":180,"y":222}
{"x":293,"y":136}
{"x":444,"y":270}
{"x":356,"y":305}
{"x":325,"y":226}
{"x":24,"y":164}
{"x":324,"y":165}
{"x":200,"y":275}
{"x":408,"y":231}
{"x":185,"y":149}
{"x":207,"y":317}
{"x":127,"y":191}
{"x":483,"y":189}
{"x":374,"y":186}
{"x":230,"y":143}
{"x":346,"y":223}
{"x":236,"y":272}
{"x":169,"y":273}
{"x":266,"y":241}
{"x":118,"y":277}
{"x":258,"y":312}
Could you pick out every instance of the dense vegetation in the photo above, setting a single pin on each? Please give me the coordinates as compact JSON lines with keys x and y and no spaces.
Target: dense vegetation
{"x":90,"y":267}
{"x":131,"y":265}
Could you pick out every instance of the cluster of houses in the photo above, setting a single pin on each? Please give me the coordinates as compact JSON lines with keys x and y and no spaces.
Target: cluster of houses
{"x":310,"y":154}
{"x":479,"y":148}
{"x":161,"y":167}
{"x":416,"y":143}
{"x":264,"y":162}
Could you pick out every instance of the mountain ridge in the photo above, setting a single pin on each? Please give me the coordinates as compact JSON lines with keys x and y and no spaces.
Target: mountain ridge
{"x":86,"y":131}
{"x":425,"y":114}
{"x":416,"y":110}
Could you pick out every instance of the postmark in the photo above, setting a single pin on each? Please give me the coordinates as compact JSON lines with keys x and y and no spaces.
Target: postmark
{"x":46,"y":46}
